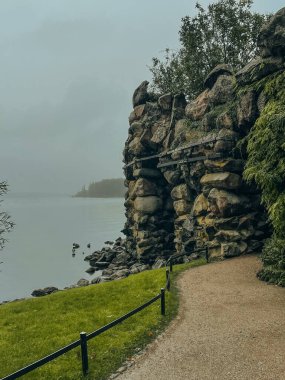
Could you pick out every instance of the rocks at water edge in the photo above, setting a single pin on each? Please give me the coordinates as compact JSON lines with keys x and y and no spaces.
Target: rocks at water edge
{"x":44,"y":291}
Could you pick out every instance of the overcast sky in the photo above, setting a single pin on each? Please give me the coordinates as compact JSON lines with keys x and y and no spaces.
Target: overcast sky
{"x":68,"y":69}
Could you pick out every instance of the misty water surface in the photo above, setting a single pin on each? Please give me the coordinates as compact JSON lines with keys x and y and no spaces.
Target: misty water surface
{"x":39,"y":251}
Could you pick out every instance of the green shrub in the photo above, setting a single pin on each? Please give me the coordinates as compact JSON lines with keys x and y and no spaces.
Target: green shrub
{"x":266,"y":167}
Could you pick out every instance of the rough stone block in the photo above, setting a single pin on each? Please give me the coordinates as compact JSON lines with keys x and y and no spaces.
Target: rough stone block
{"x":181,"y":192}
{"x":200,"y":206}
{"x":148,"y":205}
{"x":227,"y":204}
{"x":224,"y":180}
{"x":182,"y":207}
{"x":146,"y":173}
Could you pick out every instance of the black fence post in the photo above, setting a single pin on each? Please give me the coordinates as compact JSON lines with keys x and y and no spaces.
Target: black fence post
{"x":207,"y":254}
{"x":84,"y":353}
{"x":171,"y":266}
{"x":167,"y":279}
{"x":162,"y":299}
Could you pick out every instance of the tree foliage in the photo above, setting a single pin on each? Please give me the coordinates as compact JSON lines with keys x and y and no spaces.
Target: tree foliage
{"x":225,"y":32}
{"x":5,"y":221}
{"x":266,"y":166}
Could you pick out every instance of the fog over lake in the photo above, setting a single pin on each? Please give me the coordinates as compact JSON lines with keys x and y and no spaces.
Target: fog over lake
{"x":68,"y":71}
{"x":39,"y":251}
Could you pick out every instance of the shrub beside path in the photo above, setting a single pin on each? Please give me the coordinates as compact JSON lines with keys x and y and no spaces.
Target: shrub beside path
{"x":230,"y":326}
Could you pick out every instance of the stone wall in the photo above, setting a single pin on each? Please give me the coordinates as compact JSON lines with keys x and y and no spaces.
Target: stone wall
{"x":184,"y":162}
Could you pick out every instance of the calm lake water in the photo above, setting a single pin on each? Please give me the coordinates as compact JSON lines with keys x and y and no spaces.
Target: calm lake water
{"x":39,"y":250}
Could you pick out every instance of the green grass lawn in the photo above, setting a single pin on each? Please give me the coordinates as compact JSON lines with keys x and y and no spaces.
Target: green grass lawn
{"x":33,"y":328}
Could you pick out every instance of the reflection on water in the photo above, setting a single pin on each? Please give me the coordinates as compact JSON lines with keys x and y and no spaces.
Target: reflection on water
{"x":39,"y":250}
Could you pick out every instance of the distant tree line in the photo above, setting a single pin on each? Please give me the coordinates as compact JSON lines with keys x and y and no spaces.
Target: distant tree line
{"x":107,"y":188}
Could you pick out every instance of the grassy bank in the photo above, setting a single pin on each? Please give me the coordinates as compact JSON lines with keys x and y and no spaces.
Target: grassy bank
{"x":33,"y":328}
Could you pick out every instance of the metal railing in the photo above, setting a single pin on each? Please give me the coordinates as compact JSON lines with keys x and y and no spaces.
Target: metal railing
{"x":84,"y":337}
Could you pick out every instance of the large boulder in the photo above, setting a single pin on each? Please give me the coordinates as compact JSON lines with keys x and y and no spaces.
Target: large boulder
{"x":144,"y":187}
{"x":230,"y":164}
{"x":148,"y":205}
{"x":197,"y":108}
{"x":141,"y":95}
{"x":45,"y":291}
{"x":258,"y":68}
{"x":271,"y":38}
{"x":222,"y":91}
{"x":224,"y":180}
{"x":224,"y":203}
{"x":146,"y":173}
{"x":247,"y":110}
{"x":222,"y":69}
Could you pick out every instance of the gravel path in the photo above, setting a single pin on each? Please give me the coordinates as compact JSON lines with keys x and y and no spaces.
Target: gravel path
{"x":230,"y":326}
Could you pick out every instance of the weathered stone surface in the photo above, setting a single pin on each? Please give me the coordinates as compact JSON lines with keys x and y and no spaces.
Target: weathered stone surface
{"x":200,"y":206}
{"x":226,"y":204}
{"x":231,"y":165}
{"x":233,"y":249}
{"x":181,"y":192}
{"x":258,"y":68}
{"x":172,"y":177}
{"x":139,"y":111}
{"x":222,"y":90}
{"x":226,"y":141}
{"x":141,"y":95}
{"x":228,"y":235}
{"x":180,"y":126}
{"x":159,"y":135}
{"x":247,"y":110}
{"x":262,"y":101}
{"x":212,"y":77}
{"x":148,"y":205}
{"x":271,"y":38}
{"x":144,"y":187}
{"x":82,"y":282}
{"x":225,"y":120}
{"x":182,"y":207}
{"x":196,"y":109}
{"x":159,"y":263}
{"x":136,"y":128}
{"x":147,"y":173}
{"x":135,"y":147}
{"x":165,"y":102}
{"x":44,"y":292}
{"x":224,"y":180}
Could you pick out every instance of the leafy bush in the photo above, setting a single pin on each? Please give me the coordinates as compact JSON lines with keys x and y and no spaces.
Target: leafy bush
{"x":224,"y":33}
{"x":266,"y":166}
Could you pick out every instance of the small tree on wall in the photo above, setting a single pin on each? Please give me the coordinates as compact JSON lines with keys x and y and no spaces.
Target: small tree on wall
{"x":225,"y":32}
{"x":5,"y":221}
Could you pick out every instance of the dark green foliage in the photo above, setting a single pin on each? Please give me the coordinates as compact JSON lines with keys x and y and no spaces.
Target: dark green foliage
{"x":107,"y":188}
{"x":266,"y":166}
{"x":274,"y":262}
{"x":224,"y":33}
{"x":5,"y":222}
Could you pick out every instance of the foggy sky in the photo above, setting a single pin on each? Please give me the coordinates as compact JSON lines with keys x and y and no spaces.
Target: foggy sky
{"x":68,"y":69}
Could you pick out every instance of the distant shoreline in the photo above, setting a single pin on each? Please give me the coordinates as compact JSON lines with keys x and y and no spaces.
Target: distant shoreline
{"x":106,"y":188}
